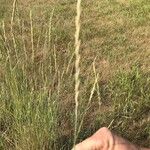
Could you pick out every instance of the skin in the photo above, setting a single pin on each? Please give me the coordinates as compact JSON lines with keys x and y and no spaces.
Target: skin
{"x":104,"y":139}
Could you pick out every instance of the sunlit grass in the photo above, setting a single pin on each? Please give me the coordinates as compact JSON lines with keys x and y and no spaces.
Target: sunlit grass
{"x":37,"y":72}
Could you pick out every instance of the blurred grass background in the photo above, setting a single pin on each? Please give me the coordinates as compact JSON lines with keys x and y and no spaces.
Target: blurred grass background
{"x":37,"y":71}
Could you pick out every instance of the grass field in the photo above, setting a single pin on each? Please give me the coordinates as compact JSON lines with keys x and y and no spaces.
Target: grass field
{"x":37,"y":72}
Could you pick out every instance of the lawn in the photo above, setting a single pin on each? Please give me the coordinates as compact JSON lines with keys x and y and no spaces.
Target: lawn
{"x":37,"y":106}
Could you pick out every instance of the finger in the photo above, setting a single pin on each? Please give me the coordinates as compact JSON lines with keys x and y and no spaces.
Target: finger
{"x":85,"y":145}
{"x":89,"y":144}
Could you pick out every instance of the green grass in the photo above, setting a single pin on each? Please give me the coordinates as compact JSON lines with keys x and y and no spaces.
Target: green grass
{"x":37,"y":91}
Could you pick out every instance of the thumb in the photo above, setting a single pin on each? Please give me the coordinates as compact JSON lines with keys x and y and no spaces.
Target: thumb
{"x":88,"y":144}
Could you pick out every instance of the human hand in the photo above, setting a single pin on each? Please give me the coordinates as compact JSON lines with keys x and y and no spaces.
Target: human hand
{"x":104,"y":139}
